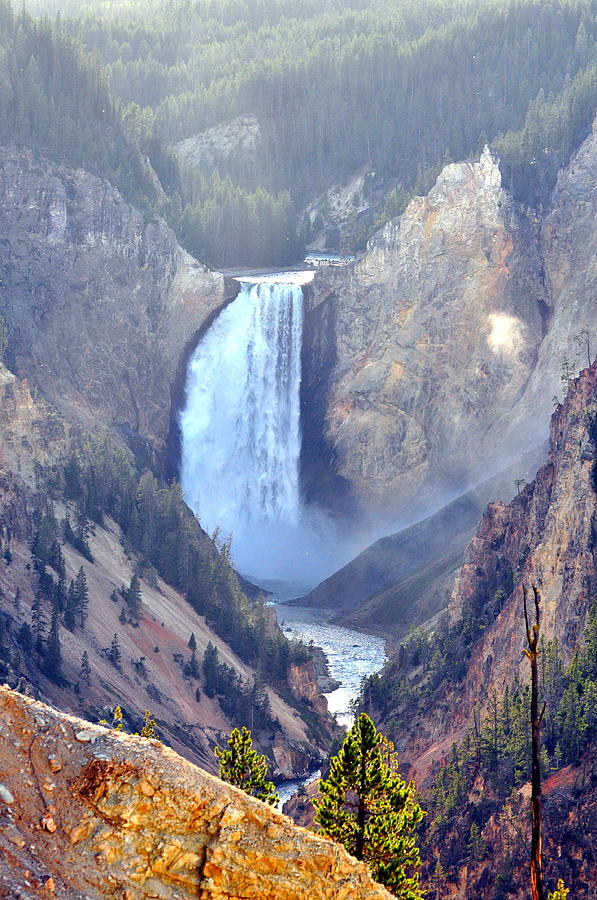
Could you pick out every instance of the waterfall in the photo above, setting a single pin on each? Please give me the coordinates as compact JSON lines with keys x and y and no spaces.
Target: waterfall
{"x":241,"y":427}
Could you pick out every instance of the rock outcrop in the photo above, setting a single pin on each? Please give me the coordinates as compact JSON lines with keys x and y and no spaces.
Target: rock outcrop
{"x":430,"y":335}
{"x":88,"y":812}
{"x":569,"y":250}
{"x":100,"y":302}
{"x":208,"y":150}
{"x":432,"y":360}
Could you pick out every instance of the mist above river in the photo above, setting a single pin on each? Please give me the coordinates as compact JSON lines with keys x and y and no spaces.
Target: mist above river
{"x":241,"y":438}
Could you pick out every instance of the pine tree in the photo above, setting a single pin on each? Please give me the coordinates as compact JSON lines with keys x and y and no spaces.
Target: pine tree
{"x":367,"y":806}
{"x":114,"y":654}
{"x":53,"y":659}
{"x":243,"y":767}
{"x":210,"y":669}
{"x":193,"y":668}
{"x":133,"y":598}
{"x":38,"y":622}
{"x":17,"y":603}
{"x":85,"y":670}
{"x":81,"y":596}
{"x":25,"y":638}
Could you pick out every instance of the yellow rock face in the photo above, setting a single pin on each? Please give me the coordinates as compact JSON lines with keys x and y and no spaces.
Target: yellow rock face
{"x":131,"y":819}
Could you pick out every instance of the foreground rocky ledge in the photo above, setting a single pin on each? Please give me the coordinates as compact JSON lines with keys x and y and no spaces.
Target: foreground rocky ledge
{"x":86,"y":812}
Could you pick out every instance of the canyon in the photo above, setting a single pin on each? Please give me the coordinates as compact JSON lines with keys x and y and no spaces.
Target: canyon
{"x":429,"y":366}
{"x":402,"y":405}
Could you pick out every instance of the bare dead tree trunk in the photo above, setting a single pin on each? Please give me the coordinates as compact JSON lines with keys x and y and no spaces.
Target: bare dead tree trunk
{"x":532,"y":654}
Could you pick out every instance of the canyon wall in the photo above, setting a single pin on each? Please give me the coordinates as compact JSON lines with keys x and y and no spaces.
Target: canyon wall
{"x":432,"y":360}
{"x":153,"y":672}
{"x":89,"y":811}
{"x":428,"y":363}
{"x":546,"y":536}
{"x":99,"y":300}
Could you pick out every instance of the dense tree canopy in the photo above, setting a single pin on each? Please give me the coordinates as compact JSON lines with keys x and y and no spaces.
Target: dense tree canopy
{"x":392,"y":89}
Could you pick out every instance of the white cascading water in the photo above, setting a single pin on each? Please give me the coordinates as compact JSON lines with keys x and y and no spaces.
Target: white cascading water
{"x":240,"y":428}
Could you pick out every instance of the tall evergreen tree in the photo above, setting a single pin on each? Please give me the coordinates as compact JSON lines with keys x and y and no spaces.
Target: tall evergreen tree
{"x":53,"y":658}
{"x":243,"y":767}
{"x":81,"y":597}
{"x":85,"y":670}
{"x":133,"y":598}
{"x":367,"y":806}
{"x":38,"y":621}
{"x":210,"y":669}
{"x":193,"y":668}
{"x":114,"y":654}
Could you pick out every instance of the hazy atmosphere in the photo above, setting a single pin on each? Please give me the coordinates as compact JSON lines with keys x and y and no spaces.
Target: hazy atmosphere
{"x":298,"y":449}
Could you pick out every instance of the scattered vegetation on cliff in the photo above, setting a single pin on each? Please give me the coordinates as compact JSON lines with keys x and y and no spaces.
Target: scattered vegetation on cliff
{"x":494,"y":759}
{"x":158,"y":526}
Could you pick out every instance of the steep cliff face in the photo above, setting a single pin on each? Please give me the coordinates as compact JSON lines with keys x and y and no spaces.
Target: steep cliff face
{"x":88,"y":811}
{"x":434,"y":358}
{"x":546,"y":536}
{"x":435,"y":330}
{"x":152,"y":673}
{"x":100,"y":303}
{"x":569,"y":251}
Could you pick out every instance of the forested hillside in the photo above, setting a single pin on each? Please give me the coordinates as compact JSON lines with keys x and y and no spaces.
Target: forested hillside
{"x":393,"y":90}
{"x":54,"y":97}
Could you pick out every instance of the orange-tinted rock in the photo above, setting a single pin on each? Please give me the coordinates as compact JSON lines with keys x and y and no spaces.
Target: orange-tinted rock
{"x":193,"y":837}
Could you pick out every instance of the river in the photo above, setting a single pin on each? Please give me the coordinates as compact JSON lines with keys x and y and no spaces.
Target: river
{"x":240,"y":467}
{"x":351,"y":655}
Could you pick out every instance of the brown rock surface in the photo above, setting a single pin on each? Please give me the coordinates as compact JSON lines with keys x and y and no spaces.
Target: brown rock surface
{"x":431,"y":361}
{"x":425,"y":339}
{"x":545,"y":536}
{"x":131,"y":819}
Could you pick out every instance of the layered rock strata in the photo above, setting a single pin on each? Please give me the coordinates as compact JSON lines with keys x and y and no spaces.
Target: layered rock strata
{"x":432,"y":360}
{"x":546,"y":536}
